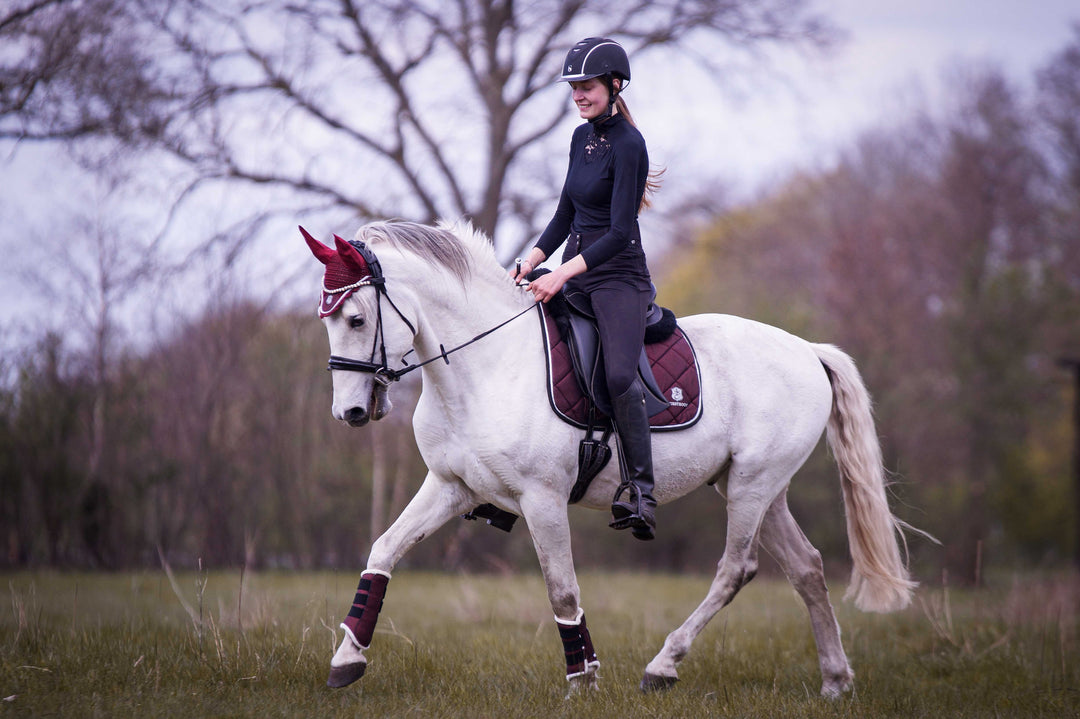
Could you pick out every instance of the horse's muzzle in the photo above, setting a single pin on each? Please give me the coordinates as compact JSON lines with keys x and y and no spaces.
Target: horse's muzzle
{"x":380,"y":401}
{"x":378,"y":406}
{"x":356,"y":416}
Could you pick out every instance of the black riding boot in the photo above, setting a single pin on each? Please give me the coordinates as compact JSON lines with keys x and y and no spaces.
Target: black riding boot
{"x":635,"y":466}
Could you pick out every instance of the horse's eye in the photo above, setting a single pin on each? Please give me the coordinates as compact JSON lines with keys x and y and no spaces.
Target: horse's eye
{"x":356,"y":322}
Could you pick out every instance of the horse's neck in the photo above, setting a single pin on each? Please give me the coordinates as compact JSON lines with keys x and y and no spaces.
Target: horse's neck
{"x":450,"y":326}
{"x":451,"y":317}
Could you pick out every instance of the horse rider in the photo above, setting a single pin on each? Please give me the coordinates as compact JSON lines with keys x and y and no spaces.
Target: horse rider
{"x":607,"y":184}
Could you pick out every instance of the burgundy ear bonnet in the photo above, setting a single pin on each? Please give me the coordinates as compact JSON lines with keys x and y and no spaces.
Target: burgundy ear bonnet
{"x":348,"y":267}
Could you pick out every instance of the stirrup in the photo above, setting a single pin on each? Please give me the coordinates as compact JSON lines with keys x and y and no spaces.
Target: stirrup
{"x":630,"y":514}
{"x":498,"y":518}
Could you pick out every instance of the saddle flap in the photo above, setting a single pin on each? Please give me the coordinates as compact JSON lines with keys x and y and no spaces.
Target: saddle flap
{"x":655,"y":403}
{"x":584,"y":341}
{"x":586,"y":353}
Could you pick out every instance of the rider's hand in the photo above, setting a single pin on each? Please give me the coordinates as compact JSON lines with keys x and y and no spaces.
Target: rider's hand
{"x":547,"y":286}
{"x":527,"y":265}
{"x":522,"y":268}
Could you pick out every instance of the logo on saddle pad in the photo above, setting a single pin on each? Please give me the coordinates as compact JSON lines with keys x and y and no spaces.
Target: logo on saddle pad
{"x":677,"y":396}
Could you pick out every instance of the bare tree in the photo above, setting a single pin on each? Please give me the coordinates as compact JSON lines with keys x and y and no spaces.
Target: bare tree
{"x":84,"y":275}
{"x":382,"y":108}
{"x":1059,"y":108}
{"x":358,"y":109}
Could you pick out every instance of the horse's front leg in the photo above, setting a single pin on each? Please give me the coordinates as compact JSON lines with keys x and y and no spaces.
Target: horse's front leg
{"x":550,"y":530}
{"x":437,"y":501}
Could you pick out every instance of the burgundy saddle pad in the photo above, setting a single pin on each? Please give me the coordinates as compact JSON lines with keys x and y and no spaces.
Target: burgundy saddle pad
{"x":674,"y":366}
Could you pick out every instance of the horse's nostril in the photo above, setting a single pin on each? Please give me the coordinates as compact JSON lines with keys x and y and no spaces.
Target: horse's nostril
{"x":356,"y":416}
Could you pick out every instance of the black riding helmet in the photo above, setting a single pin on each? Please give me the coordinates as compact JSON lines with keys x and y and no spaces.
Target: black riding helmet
{"x":598,"y":57}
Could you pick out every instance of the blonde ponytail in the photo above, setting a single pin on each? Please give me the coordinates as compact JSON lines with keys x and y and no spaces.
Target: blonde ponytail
{"x":652,"y":182}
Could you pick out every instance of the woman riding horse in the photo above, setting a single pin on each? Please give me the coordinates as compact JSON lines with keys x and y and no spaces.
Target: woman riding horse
{"x":597,"y":217}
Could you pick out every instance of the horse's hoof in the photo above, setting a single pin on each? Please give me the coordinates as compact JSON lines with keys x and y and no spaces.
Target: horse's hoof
{"x":582,"y":684}
{"x":345,"y":675}
{"x":836,"y":691}
{"x":656,"y":683}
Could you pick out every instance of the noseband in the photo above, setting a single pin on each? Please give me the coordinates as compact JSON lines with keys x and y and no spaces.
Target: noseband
{"x":382,"y":371}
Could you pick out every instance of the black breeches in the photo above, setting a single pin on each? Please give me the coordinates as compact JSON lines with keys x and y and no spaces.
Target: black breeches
{"x":620,"y":317}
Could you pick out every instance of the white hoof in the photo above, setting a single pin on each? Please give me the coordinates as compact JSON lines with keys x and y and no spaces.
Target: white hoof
{"x":347,"y":665}
{"x":583,"y":683}
{"x":837,"y":687}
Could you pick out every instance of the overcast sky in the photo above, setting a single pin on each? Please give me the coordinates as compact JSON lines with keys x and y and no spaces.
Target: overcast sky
{"x":895,"y":50}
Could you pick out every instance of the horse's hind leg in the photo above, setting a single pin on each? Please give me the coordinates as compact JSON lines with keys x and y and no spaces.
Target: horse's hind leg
{"x":782,"y":538}
{"x":737,"y":567}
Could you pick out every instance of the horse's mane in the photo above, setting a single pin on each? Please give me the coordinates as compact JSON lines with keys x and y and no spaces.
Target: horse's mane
{"x":456,"y":247}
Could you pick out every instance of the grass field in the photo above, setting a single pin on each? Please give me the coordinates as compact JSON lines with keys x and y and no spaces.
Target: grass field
{"x":125,"y":645}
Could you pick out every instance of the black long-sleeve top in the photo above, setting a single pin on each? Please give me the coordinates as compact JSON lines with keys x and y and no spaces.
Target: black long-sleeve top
{"x":609,"y":166}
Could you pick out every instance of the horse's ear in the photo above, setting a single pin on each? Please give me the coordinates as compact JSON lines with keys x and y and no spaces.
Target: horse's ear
{"x":322,"y":253}
{"x":351,"y":255}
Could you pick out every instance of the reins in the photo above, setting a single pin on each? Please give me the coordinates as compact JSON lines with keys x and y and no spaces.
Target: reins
{"x":382,"y":371}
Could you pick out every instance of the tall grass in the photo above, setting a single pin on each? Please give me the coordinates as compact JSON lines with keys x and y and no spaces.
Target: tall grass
{"x":227,"y":645}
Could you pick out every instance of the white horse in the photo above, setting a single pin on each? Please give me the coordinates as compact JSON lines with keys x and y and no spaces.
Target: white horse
{"x":487,"y":435}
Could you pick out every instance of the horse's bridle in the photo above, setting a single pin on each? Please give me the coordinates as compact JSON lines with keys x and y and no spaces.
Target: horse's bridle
{"x":382,"y":371}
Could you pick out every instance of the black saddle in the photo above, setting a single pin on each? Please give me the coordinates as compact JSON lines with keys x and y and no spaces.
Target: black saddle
{"x":573,"y":313}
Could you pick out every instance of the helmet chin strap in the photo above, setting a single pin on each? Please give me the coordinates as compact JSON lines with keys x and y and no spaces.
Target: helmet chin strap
{"x":613,"y":95}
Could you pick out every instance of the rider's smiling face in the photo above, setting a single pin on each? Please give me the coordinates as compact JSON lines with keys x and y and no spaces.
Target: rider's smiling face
{"x":590,"y":96}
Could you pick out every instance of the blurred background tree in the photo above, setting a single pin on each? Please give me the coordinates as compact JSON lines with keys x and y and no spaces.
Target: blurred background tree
{"x":226,"y":122}
{"x":382,"y":108}
{"x":169,"y":394}
{"x":941,"y":252}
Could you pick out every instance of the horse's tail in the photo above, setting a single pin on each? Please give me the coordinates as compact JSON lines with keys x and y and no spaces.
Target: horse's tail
{"x":879,"y":577}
